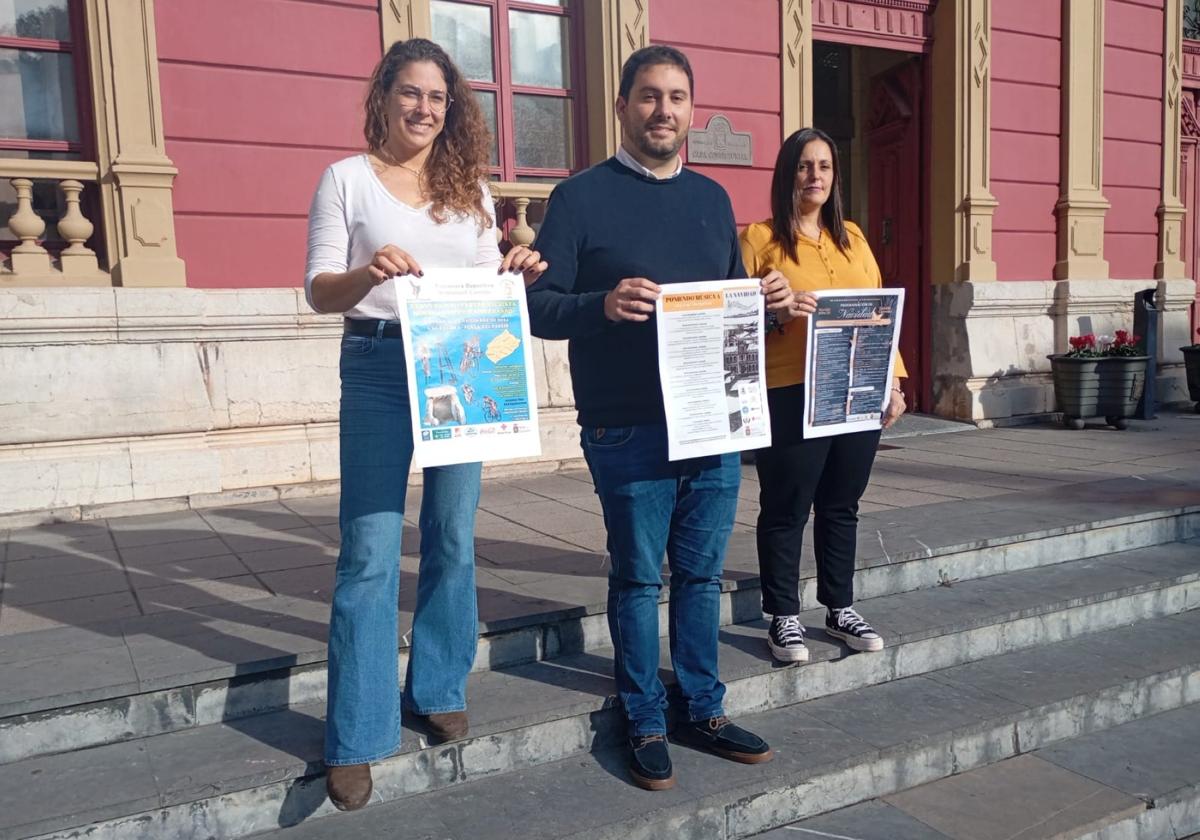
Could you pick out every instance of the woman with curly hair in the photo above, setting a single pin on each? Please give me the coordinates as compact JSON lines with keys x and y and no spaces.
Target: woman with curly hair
{"x":417,"y":197}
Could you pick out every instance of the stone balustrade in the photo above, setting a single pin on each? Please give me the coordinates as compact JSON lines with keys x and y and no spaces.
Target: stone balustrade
{"x":29,"y":262}
{"x":518,"y":195}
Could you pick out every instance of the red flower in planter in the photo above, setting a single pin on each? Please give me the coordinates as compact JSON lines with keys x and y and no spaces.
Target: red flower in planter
{"x":1082,"y":346}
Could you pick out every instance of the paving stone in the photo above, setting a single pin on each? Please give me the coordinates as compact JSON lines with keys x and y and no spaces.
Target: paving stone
{"x":149,"y":556}
{"x":561,"y":517}
{"x":317,"y":510}
{"x":33,"y":591}
{"x":185,"y":571}
{"x":74,"y":789}
{"x":296,"y":557}
{"x":47,"y":644}
{"x":555,"y":486}
{"x":155,"y":529}
{"x":537,"y":549}
{"x":1023,"y":798}
{"x":19,"y":571}
{"x":498,"y":497}
{"x":66,"y":678}
{"x":196,"y":593}
{"x":1146,"y":758}
{"x":917,"y":706}
{"x":872,"y":820}
{"x":266,"y":540}
{"x":81,"y":612}
{"x":25,"y":545}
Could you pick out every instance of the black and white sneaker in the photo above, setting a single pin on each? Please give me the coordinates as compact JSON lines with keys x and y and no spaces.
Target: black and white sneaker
{"x":852,"y":629}
{"x":786,"y":639}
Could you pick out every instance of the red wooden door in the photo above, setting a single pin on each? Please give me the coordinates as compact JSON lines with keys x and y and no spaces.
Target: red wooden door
{"x":894,"y":206}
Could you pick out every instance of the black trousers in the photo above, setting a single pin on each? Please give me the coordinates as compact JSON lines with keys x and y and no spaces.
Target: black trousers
{"x":826,"y":476}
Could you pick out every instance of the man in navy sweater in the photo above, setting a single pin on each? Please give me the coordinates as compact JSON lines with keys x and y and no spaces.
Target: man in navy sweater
{"x":612,"y":236}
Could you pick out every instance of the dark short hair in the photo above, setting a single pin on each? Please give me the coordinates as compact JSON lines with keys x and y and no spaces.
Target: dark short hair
{"x":783,"y":193}
{"x":648,"y":56}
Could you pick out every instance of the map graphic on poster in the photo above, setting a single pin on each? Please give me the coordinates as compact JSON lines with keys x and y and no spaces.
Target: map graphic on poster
{"x":469,"y":367}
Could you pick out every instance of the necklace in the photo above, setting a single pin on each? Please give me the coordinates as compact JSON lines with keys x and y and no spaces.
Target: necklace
{"x":390,"y":160}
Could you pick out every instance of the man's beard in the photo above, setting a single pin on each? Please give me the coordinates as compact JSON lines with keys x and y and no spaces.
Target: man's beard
{"x":659,"y":150}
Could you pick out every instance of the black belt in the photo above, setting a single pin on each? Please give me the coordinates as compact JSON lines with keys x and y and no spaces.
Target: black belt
{"x":370,"y":327}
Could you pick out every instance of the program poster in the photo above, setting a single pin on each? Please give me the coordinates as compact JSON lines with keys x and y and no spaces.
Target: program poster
{"x":470,"y":369}
{"x":852,"y":340}
{"x":710,"y":360}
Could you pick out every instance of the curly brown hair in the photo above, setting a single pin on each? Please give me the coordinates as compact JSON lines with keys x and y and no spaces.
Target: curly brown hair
{"x":458,"y":162}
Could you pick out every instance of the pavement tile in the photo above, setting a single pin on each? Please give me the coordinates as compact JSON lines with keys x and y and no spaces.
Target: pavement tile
{"x":296,"y":557}
{"x":979,"y":805}
{"x":155,"y":529}
{"x":75,"y":789}
{"x":19,"y":571}
{"x":554,"y":486}
{"x":498,"y":497}
{"x":49,"y":615}
{"x":551,"y":517}
{"x":242,"y":754}
{"x":149,"y":556}
{"x":522,"y":553}
{"x":254,"y":520}
{"x":186,"y":571}
{"x":196,"y":593}
{"x":1147,"y":758}
{"x":66,"y":678}
{"x":318,"y":510}
{"x":311,"y":582}
{"x":40,"y":590}
{"x":871,"y":820}
{"x":594,"y":541}
{"x":266,"y":540}
{"x":894,"y":712}
{"x":25,"y":545}
{"x":47,"y":644}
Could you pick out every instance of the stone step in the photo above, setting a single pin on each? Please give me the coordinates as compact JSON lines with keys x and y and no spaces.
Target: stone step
{"x":831,"y":752}
{"x":83,"y":687}
{"x":235,"y":775}
{"x":1136,"y":781}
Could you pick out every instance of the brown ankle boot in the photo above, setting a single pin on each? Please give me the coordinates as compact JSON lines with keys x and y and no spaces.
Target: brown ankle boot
{"x":348,"y":786}
{"x":445,"y":726}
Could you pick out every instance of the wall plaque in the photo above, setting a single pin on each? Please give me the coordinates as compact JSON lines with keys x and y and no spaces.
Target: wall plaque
{"x":718,"y":143}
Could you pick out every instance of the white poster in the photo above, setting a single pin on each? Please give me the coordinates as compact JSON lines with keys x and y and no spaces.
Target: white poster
{"x":852,"y":340}
{"x":470,"y":369}
{"x":710,"y":360}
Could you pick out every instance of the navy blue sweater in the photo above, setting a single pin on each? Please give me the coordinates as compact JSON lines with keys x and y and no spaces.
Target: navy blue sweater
{"x":601,"y":226}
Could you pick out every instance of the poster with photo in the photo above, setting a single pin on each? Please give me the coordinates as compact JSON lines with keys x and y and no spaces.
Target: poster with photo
{"x":710,"y":360}
{"x":470,"y":366}
{"x":852,"y":340}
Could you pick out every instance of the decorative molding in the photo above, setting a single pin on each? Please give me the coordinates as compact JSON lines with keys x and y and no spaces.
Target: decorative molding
{"x":404,"y":19}
{"x":1081,"y":206}
{"x":136,"y":176}
{"x":614,"y":29}
{"x":975,"y":204}
{"x":796,"y":34}
{"x":1171,"y":211}
{"x":1189,"y":121}
{"x":1191,"y":63}
{"x":894,"y":24}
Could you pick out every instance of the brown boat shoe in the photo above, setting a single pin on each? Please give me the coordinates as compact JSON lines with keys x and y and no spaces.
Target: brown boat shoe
{"x":349,"y":786}
{"x":444,"y":726}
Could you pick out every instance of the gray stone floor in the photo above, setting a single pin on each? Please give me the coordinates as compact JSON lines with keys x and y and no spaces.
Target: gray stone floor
{"x":167,"y":593}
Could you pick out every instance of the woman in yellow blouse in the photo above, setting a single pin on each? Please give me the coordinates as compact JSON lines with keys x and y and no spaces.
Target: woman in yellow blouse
{"x":809,"y":242}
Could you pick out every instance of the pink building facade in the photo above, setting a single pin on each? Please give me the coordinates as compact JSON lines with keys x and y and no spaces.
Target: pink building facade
{"x":1022,"y":168}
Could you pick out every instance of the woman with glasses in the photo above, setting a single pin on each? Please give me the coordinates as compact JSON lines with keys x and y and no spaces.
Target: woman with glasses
{"x":417,"y":198}
{"x":809,"y":241}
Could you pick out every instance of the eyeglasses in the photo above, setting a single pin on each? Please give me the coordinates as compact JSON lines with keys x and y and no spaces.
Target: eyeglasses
{"x":410,"y":97}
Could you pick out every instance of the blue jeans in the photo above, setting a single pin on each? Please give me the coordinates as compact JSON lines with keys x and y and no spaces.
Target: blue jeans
{"x":654,"y":506}
{"x":363,"y":719}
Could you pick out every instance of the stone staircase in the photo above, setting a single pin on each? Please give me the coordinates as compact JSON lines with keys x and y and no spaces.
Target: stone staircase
{"x":1008,"y":642}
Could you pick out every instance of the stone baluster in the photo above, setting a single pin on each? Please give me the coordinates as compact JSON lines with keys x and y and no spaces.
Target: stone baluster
{"x":77,"y":258}
{"x":522,"y":233}
{"x":498,"y":202}
{"x":29,"y":257}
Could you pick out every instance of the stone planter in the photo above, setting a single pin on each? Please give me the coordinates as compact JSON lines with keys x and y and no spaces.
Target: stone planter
{"x":1191,"y":361}
{"x":1108,"y":387}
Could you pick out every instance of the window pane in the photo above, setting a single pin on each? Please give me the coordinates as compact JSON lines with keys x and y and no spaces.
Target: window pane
{"x":38,"y":92}
{"x":558,"y":3}
{"x":544,"y":136}
{"x":487,"y":104}
{"x":540,"y":56}
{"x":35,"y":19}
{"x":465,"y":31}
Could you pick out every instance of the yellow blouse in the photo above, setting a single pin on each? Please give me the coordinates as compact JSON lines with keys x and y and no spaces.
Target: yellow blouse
{"x":822,"y":266}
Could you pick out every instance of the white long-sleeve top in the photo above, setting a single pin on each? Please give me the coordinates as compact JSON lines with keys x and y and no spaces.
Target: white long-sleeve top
{"x":353,"y":215}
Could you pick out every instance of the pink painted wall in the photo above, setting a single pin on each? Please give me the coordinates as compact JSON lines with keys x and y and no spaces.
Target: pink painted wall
{"x":1026,"y":125}
{"x":1133,"y":73}
{"x":734,"y":51}
{"x":257,"y":99}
